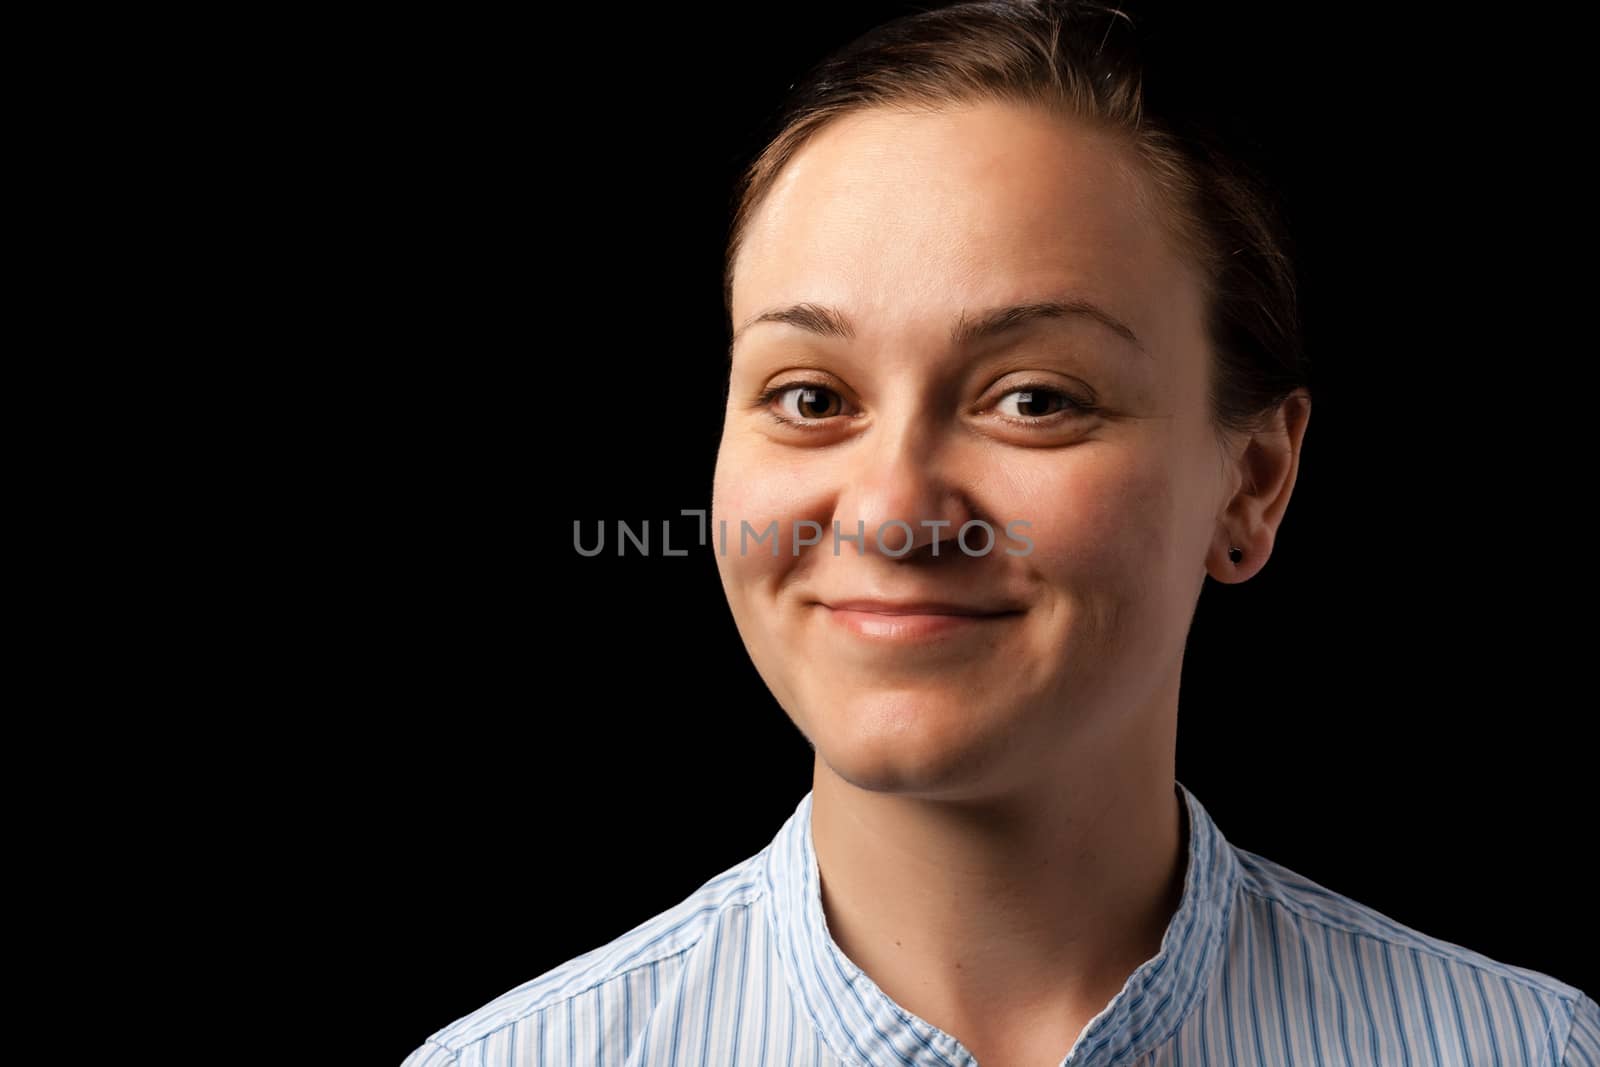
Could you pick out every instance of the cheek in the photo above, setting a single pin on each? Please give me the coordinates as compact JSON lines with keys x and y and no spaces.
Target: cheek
{"x":748,"y":487}
{"x":1103,"y":553}
{"x":754,"y":505}
{"x":1100,"y":513}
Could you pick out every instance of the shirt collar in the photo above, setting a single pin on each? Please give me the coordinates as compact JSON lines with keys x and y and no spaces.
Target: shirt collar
{"x":862,"y":1025}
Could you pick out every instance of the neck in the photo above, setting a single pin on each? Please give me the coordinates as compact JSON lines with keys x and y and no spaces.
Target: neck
{"x":974,"y":913}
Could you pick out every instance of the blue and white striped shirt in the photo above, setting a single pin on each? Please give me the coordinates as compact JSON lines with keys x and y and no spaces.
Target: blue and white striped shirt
{"x":1258,"y":966}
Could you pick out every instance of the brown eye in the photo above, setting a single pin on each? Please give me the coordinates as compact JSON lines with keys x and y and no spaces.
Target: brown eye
{"x":1034,"y":403}
{"x":809,"y":402}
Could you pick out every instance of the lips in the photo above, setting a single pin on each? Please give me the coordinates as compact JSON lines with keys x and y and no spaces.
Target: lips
{"x":917,"y":607}
{"x":922,"y":622}
{"x":915,"y":623}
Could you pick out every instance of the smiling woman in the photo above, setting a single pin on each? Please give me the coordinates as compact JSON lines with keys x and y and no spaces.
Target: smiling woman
{"x":942,"y":238}
{"x":976,"y":282}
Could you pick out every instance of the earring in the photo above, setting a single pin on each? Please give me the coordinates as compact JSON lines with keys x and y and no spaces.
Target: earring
{"x":1234,"y":554}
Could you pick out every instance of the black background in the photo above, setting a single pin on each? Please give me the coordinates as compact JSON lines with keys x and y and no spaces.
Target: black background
{"x":527,"y":752}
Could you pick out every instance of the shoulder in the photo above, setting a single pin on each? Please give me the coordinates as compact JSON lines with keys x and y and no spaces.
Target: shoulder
{"x":602,"y":993}
{"x":1396,"y":974}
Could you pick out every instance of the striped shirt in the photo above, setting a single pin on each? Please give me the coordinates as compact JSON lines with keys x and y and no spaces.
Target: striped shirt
{"x":1258,"y":965}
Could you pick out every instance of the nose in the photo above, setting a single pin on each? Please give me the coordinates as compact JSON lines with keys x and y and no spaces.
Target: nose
{"x":902,"y":495}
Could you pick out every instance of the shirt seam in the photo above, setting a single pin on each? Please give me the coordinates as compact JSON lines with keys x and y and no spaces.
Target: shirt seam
{"x":1572,"y":1024}
{"x":1412,"y":940}
{"x":760,"y":893}
{"x":531,"y":1012}
{"x":1217,"y":939}
{"x":455,"y":1055}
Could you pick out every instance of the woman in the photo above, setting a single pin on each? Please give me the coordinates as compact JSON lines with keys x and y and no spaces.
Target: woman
{"x":1014,"y":368}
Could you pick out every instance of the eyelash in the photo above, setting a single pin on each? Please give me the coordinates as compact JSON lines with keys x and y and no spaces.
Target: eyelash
{"x":776,"y":391}
{"x":1071,"y":405}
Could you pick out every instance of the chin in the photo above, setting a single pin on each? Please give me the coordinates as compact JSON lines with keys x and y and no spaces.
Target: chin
{"x":906,"y":741}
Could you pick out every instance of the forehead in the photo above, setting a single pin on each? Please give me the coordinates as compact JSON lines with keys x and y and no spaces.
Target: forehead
{"x":907,"y":217}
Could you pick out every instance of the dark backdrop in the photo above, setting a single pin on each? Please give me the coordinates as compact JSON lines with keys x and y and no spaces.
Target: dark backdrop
{"x":537,"y":751}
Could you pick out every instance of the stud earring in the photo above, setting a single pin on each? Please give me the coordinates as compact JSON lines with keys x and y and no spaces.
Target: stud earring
{"x":1234,"y":554}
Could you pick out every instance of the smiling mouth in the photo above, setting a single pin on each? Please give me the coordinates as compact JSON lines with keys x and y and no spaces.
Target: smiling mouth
{"x":921,"y":621}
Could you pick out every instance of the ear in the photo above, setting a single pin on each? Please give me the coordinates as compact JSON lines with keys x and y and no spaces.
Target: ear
{"x":1263,"y":470}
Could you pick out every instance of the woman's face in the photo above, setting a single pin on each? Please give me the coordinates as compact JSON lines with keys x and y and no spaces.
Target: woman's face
{"x":887,"y":384}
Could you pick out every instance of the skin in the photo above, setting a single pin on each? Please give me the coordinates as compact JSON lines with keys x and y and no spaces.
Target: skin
{"x":994,"y":813}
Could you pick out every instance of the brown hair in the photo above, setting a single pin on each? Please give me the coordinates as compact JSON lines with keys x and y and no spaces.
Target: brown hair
{"x":1078,"y":58}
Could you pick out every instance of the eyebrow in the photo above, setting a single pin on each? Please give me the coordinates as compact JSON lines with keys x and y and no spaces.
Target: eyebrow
{"x":968,"y":329}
